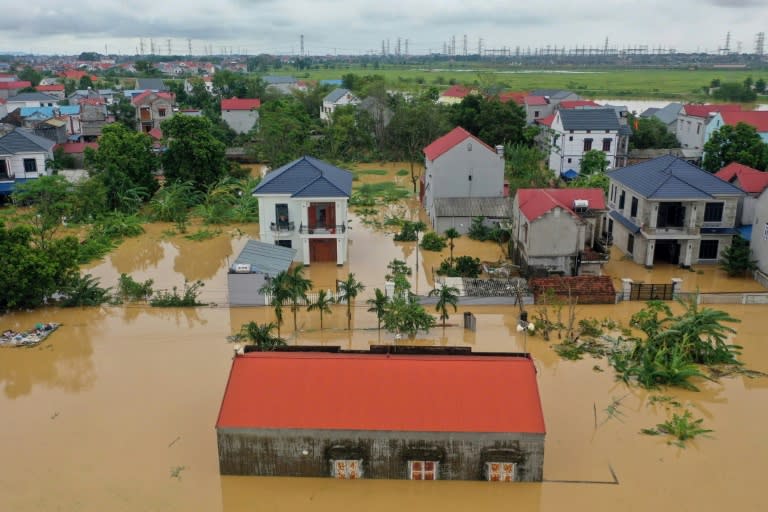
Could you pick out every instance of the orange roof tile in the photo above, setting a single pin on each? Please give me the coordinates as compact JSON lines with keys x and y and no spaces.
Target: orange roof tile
{"x":449,"y":140}
{"x":408,"y":393}
{"x":750,"y":180}
{"x":756,"y":118}
{"x":535,"y":202}
{"x":705,"y":110}
{"x":240,"y":104}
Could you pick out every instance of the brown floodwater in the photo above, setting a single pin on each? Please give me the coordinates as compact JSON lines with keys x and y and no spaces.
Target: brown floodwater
{"x":116,"y":410}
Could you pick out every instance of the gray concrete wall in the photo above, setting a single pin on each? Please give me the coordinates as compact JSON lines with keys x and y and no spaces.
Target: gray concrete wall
{"x":244,"y":289}
{"x":385,"y":454}
{"x":241,"y":121}
{"x":759,"y":242}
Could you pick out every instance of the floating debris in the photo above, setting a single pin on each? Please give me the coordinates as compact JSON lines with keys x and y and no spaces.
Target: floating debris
{"x":29,"y":338}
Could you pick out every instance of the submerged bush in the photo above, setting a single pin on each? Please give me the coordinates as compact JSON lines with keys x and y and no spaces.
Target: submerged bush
{"x":433,"y":242}
{"x":173,"y":298}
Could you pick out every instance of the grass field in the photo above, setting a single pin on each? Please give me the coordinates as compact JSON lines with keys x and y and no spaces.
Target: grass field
{"x":613,"y":83}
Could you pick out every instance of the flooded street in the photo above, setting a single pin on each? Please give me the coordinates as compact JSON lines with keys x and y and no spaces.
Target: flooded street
{"x":116,"y":410}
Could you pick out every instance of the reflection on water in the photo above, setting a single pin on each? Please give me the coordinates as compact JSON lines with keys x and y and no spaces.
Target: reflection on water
{"x":104,"y":413}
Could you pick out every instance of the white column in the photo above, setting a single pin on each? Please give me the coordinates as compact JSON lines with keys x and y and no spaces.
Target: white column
{"x":305,"y":213}
{"x":626,"y":287}
{"x":677,"y":285}
{"x":649,"y":251}
{"x":688,"y":248}
{"x":305,"y":250}
{"x":340,"y":250}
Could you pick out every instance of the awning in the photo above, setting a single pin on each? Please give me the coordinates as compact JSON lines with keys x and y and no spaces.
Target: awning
{"x":745,"y":232}
{"x":569,"y":175}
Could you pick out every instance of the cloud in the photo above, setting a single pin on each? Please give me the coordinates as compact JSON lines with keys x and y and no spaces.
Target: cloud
{"x":737,"y":3}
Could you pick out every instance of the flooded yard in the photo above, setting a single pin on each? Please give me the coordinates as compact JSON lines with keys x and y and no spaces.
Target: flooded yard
{"x":116,"y":410}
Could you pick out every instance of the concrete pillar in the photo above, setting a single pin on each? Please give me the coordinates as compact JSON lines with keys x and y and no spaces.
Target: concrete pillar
{"x":389,"y":289}
{"x":626,"y":287}
{"x":341,"y":252}
{"x":654,"y":218}
{"x":305,"y":214}
{"x":687,"y":248}
{"x":305,"y":251}
{"x":692,"y":218}
{"x":677,"y":285}
{"x":649,"y":251}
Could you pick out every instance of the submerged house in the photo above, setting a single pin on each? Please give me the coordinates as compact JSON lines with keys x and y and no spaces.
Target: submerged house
{"x":257,"y":263}
{"x":351,"y":415}
{"x":303,"y":205}
{"x":23,"y":156}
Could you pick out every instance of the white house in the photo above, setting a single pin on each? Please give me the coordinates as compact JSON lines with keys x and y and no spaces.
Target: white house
{"x":462,"y":173}
{"x":693,"y":122}
{"x":574,"y":132}
{"x":337,"y":98}
{"x":303,"y":205}
{"x":241,"y":114}
{"x":31,"y":99}
{"x":22,"y":157}
{"x":759,"y":240}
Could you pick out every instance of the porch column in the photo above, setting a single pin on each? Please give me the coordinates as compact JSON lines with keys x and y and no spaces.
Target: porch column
{"x":305,"y":215}
{"x":654,"y":218}
{"x":677,"y":286}
{"x":649,"y":251}
{"x":688,"y":248}
{"x":626,"y":288}
{"x":305,"y":250}
{"x":341,"y":249}
{"x":692,"y":219}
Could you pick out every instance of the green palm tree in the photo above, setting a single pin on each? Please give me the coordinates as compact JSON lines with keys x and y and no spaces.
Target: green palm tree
{"x":277,"y":288}
{"x":446,"y":296}
{"x":378,"y":305}
{"x":322,"y":304}
{"x":350,"y":288}
{"x":261,"y":335}
{"x":297,"y":287}
{"x":451,"y":234}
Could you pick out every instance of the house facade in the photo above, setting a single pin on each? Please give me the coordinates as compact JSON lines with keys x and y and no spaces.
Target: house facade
{"x":23,"y":157}
{"x":667,"y":210}
{"x":560,"y":230}
{"x":693,"y":122}
{"x":459,"y":165}
{"x":388,"y":425}
{"x":758,"y":119}
{"x":303,"y":205}
{"x":336,"y":98}
{"x":241,"y":114}
{"x":759,"y":241}
{"x":573,"y":132}
{"x":31,"y":99}
{"x":751,"y":181}
{"x":152,"y":108}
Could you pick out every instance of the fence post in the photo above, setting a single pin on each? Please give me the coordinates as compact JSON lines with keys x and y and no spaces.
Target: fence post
{"x":626,"y":288}
{"x":677,"y":284}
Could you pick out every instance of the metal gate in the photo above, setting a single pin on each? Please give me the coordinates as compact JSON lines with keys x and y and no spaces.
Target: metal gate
{"x":642,"y":291}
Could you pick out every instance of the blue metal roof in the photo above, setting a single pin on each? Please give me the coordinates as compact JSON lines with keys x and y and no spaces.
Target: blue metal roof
{"x":590,"y":119}
{"x":335,"y":95}
{"x":7,"y":187}
{"x":64,"y":110}
{"x":669,"y":177}
{"x":266,"y":258}
{"x":307,"y":177}
{"x":570,"y":174}
{"x":624,"y":221}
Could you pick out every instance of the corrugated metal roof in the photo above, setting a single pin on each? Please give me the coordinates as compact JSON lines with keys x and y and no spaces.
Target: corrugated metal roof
{"x":382,"y":392}
{"x":64,"y":110}
{"x":307,"y":177}
{"x":631,"y":226}
{"x":669,"y":177}
{"x":492,"y":207}
{"x":33,"y":96}
{"x":154,"y":84}
{"x":22,"y":141}
{"x":335,"y":95}
{"x":590,"y":119}
{"x":266,"y":258}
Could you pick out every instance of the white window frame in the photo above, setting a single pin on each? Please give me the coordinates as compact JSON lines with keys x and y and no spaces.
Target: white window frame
{"x":423,"y":472}
{"x":504,"y":471}
{"x":347,"y":469}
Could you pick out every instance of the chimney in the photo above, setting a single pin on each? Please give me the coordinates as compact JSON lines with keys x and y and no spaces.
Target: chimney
{"x":500,"y":150}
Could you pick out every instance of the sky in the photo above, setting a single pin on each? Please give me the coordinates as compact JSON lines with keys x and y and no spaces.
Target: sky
{"x":359,"y":26}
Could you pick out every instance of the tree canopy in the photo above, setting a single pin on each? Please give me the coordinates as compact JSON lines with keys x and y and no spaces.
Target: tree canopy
{"x":193,"y":153}
{"x":740,"y":143}
{"x":284,"y":133}
{"x":489,"y":119}
{"x":593,"y":162}
{"x":651,"y":133}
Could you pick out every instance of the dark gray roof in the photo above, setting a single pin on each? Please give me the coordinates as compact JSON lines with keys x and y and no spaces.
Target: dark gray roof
{"x":275,"y":80}
{"x":649,"y":112}
{"x":625,"y":129}
{"x":668,"y":114}
{"x":266,"y":258}
{"x":307,"y":177}
{"x":23,"y":141}
{"x":668,"y":177}
{"x":590,"y":119}
{"x":631,"y":226}
{"x":555,"y":94}
{"x":154,"y":84}
{"x":335,"y":95}
{"x":33,"y":96}
{"x":492,"y":207}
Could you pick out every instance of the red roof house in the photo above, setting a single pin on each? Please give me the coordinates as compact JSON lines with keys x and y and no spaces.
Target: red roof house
{"x":241,"y":114}
{"x":756,"y":118}
{"x":311,"y":409}
{"x":240,"y":104}
{"x":705,"y":110}
{"x":517,"y":97}
{"x":50,"y":88}
{"x":450,"y":140}
{"x":577,"y":104}
{"x":454,"y":94}
{"x":748,"y":179}
{"x":556,"y":228}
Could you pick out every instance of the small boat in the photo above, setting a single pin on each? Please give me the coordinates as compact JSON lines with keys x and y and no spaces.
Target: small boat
{"x":29,"y":338}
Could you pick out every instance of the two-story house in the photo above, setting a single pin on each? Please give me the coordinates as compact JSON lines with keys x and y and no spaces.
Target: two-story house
{"x":759,"y":240}
{"x":336,"y":98}
{"x":559,"y":230}
{"x":152,"y":108}
{"x":463,"y":178}
{"x":751,"y":181}
{"x":23,"y":156}
{"x":303,"y":205}
{"x":669,"y":210}
{"x":692,"y":122}
{"x":31,"y":99}
{"x":241,"y":114}
{"x":574,"y":132}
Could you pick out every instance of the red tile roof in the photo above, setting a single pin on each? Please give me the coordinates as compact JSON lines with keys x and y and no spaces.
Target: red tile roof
{"x":546,"y":121}
{"x":156,"y":133}
{"x":705,"y":110}
{"x":756,"y":118}
{"x":577,"y":103}
{"x":535,"y":202}
{"x":49,"y":88}
{"x":536,"y":100}
{"x":449,"y":140}
{"x":76,"y":74}
{"x":17,"y":84}
{"x":382,"y":392}
{"x":144,"y":95}
{"x":750,"y":180}
{"x":240,"y":104}
{"x":517,"y":97}
{"x":456,"y":91}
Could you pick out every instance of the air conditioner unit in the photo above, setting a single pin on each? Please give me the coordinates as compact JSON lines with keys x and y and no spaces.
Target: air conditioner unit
{"x":242,"y":268}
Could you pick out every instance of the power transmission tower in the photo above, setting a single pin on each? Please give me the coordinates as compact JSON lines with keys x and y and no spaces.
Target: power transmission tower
{"x":465,"y":45}
{"x":453,"y":45}
{"x":151,"y":46}
{"x":479,"y":46}
{"x":406,"y":47}
{"x":169,"y":46}
{"x":302,"y":45}
{"x":760,"y":44}
{"x":141,"y":46}
{"x":189,"y":47}
{"x":397,"y":48}
{"x":383,"y":48}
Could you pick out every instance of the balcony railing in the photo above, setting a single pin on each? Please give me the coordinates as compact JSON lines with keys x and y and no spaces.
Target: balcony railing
{"x":669,"y":230}
{"x":282,"y":227}
{"x":322,"y":230}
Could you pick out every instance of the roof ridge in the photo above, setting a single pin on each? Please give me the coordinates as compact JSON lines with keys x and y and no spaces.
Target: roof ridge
{"x":310,"y":161}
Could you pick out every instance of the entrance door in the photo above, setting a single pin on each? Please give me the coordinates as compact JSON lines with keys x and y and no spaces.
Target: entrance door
{"x":667,"y":251}
{"x":322,"y":250}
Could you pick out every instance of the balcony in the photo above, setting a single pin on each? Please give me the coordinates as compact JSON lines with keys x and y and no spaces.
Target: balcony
{"x":282,"y":227}
{"x":322,"y":230}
